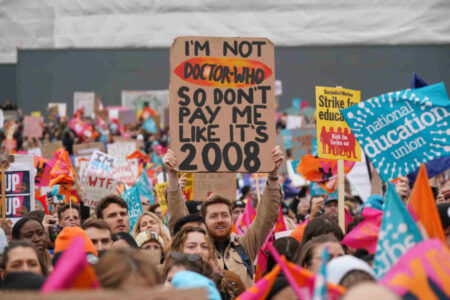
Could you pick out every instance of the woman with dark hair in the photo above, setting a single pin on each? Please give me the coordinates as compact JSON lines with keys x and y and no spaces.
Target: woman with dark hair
{"x":322,"y":225}
{"x":21,"y":256}
{"x":126,"y":268}
{"x":31,"y":230}
{"x":123,"y":240}
{"x":311,"y":252}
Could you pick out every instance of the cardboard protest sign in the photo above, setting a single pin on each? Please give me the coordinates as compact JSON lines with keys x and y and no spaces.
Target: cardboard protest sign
{"x":334,"y":138}
{"x":32,"y":126}
{"x":222,"y":104}
{"x":127,"y":117}
{"x":85,"y":150}
{"x":131,"y":196}
{"x":19,"y":190}
{"x":421,"y":273}
{"x":125,"y":170}
{"x":85,"y":100}
{"x":400,"y":130}
{"x":10,"y":115}
{"x":62,"y":108}
{"x":100,"y":164}
{"x":299,"y":141}
{"x":219,"y":184}
{"x":52,"y":113}
{"x":95,"y":188}
{"x":105,"y":294}
{"x":49,"y":149}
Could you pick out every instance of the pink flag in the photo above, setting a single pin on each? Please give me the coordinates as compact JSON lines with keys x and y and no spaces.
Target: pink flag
{"x":348,"y":218}
{"x":72,"y":271}
{"x":262,"y":288}
{"x":365,"y":234}
{"x":244,"y":220}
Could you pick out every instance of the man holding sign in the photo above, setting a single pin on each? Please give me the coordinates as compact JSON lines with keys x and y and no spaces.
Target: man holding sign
{"x":234,"y":253}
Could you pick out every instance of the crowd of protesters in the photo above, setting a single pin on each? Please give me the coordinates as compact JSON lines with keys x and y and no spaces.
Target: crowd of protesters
{"x":197,"y":246}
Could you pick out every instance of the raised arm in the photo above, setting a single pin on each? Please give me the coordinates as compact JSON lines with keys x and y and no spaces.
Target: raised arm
{"x":175,"y":200}
{"x":266,"y":212}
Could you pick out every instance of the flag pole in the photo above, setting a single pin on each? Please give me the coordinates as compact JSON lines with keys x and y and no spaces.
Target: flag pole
{"x":341,"y":191}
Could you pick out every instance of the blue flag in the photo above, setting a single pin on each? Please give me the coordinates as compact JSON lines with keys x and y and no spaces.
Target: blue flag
{"x":316,"y":190}
{"x":398,"y":233}
{"x":150,"y":126}
{"x":144,"y":187}
{"x":401,"y":130}
{"x":437,"y":165}
{"x":131,"y":196}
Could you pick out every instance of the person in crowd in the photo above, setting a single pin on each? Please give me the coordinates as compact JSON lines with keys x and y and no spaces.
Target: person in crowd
{"x":290,"y":248}
{"x":194,"y":240}
{"x":69,"y":215}
{"x":21,"y":256}
{"x":99,"y":233}
{"x":311,"y":252}
{"x":188,"y":279}
{"x":177,"y":261}
{"x":191,"y":220}
{"x":318,"y":226}
{"x":126,"y":268}
{"x":31,"y":230}
{"x":370,"y":290}
{"x":444,"y":194}
{"x":237,"y":209}
{"x":123,"y":240}
{"x":152,"y":245}
{"x":150,"y":222}
{"x":233,"y":253}
{"x":114,"y":210}
{"x":444,"y":214}
{"x":330,"y":208}
{"x":349,"y":271}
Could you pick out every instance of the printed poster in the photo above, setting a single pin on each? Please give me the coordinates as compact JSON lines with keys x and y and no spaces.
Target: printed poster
{"x":335,"y":140}
{"x":401,"y":130}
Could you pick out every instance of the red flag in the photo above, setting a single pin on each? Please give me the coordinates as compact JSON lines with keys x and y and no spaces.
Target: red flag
{"x":322,"y":170}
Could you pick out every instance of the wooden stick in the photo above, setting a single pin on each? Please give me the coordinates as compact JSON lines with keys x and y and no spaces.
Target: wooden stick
{"x":3,"y":195}
{"x":258,"y":194}
{"x":341,"y":195}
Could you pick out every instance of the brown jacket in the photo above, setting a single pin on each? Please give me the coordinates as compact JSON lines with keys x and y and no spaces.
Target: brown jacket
{"x":251,"y":241}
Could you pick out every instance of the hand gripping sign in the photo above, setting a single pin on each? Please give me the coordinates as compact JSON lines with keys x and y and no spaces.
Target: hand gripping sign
{"x":221,"y":102}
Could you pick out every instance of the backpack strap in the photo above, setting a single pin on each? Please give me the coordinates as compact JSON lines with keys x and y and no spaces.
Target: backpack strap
{"x":241,"y":251}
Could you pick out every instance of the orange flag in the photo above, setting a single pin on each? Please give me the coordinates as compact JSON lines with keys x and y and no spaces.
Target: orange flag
{"x":422,"y":206}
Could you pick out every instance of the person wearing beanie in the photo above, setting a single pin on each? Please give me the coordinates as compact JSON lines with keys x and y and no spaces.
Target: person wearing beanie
{"x":349,"y":271}
{"x":66,"y":236}
{"x":19,"y":281}
{"x":152,"y":245}
{"x":191,"y":220}
{"x":237,"y":209}
{"x":189,"y":279}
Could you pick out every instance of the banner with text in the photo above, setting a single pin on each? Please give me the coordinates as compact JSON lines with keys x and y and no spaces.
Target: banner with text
{"x":334,"y":138}
{"x":400,"y":130}
{"x":95,"y":188}
{"x":222,"y":104}
{"x":219,"y":184}
{"x":125,"y":170}
{"x":19,"y":190}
